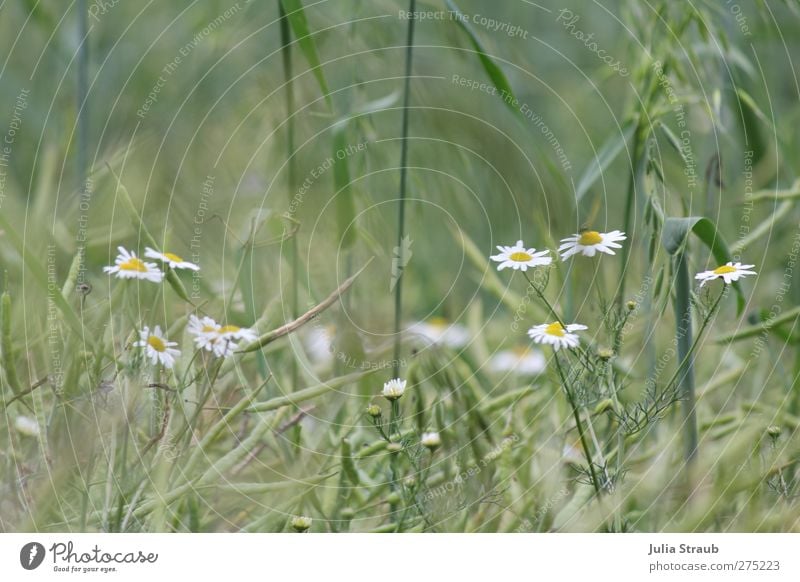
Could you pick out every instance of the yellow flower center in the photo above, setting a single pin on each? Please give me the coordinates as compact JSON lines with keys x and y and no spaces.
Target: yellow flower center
{"x":724,"y":270}
{"x":520,"y":257}
{"x":438,"y":322}
{"x":172,"y":257}
{"x":555,"y":329}
{"x":133,"y":264}
{"x":156,"y":343}
{"x":208,"y":328}
{"x":589,"y":238}
{"x":229,"y":329}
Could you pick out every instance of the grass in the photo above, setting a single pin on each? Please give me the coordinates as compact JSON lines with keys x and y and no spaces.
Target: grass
{"x":295,"y":155}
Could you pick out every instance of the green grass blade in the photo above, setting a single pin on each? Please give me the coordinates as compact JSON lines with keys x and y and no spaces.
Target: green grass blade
{"x":33,"y":263}
{"x":311,"y":392}
{"x":606,"y":155}
{"x":299,"y":23}
{"x":494,"y":72}
{"x":345,"y":206}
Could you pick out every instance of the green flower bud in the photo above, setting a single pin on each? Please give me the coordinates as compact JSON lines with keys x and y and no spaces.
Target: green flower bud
{"x":301,"y":523}
{"x":605,"y":353}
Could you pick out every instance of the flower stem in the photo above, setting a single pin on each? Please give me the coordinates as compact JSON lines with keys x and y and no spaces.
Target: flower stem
{"x":630,"y":203}
{"x":579,"y":424}
{"x":401,"y":211}
{"x":83,"y":93}
{"x":541,"y":296}
{"x":291,"y":168}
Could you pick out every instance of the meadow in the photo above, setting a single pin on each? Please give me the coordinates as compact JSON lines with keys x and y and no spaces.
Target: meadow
{"x":392,"y":266}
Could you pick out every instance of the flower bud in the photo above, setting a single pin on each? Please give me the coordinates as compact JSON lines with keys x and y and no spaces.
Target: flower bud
{"x":374,"y":410}
{"x":774,"y":431}
{"x":605,"y":353}
{"x":631,"y":305}
{"x":301,"y":523}
{"x":394,"y":389}
{"x":431,"y":440}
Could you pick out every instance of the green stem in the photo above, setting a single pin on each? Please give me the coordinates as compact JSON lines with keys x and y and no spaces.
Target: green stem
{"x":683,"y":335}
{"x":629,"y":206}
{"x":579,"y":424}
{"x":541,"y":296}
{"x":401,"y":212}
{"x":291,"y":169}
{"x":83,"y":92}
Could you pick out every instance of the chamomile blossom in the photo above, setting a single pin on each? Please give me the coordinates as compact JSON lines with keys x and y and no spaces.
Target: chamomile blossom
{"x":234,"y":332}
{"x":430,"y":440}
{"x":27,"y":426}
{"x":205,"y":331}
{"x":589,"y":242}
{"x":557,"y":335}
{"x":439,"y":331}
{"x":394,"y":389}
{"x":157,"y":348}
{"x":220,"y":339}
{"x":521,"y":361}
{"x":128,"y":266}
{"x":173,"y":260}
{"x":226,"y":339}
{"x":520,"y":258}
{"x":728,"y":272}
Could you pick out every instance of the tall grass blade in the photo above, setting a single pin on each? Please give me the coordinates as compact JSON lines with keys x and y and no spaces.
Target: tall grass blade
{"x":494,"y":72}
{"x":296,"y":15}
{"x":606,"y":155}
{"x":401,"y":204}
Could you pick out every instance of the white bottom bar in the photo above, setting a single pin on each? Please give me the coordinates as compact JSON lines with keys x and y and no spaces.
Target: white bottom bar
{"x":369,"y":557}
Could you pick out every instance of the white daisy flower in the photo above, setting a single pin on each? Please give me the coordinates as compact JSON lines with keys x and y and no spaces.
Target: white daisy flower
{"x":27,"y":426}
{"x":589,"y":242}
{"x":394,"y":389}
{"x":238,"y":333}
{"x":430,"y":440}
{"x":556,"y":334}
{"x":520,"y":258}
{"x":157,"y":348}
{"x":220,"y":339}
{"x":205,"y":331}
{"x":173,"y":260}
{"x":439,"y":331}
{"x":729,"y":272}
{"x":228,"y":337}
{"x":522,"y":361}
{"x":129,"y":266}
{"x":319,"y":343}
